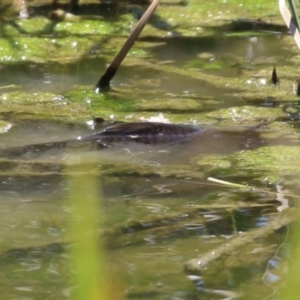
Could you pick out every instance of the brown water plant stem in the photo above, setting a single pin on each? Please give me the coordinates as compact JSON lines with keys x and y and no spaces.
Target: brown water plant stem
{"x":110,"y":72}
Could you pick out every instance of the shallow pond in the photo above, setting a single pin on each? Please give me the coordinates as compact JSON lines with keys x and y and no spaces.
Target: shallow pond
{"x":166,"y":227}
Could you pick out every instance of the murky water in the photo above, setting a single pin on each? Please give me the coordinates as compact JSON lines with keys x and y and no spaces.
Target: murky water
{"x":180,"y":214}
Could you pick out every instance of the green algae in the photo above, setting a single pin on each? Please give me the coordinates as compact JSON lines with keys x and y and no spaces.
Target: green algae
{"x":193,"y":25}
{"x":102,"y":102}
{"x":247,"y":113}
{"x":224,"y":256}
{"x":266,"y":164}
{"x":44,"y":167}
{"x":61,"y":43}
{"x":83,"y":103}
{"x":42,"y":49}
{"x":280,"y":130}
{"x":74,"y":42}
{"x":87,"y":38}
{"x":41,"y":105}
{"x":125,"y":105}
{"x":84,"y":27}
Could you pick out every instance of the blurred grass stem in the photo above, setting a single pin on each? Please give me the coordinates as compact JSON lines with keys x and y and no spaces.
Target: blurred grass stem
{"x":88,"y":257}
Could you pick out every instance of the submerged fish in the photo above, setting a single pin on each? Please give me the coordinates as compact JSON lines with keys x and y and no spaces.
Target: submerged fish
{"x":148,"y":133}
{"x":118,"y":135}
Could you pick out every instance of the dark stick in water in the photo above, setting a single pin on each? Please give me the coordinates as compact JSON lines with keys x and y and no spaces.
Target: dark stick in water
{"x":104,"y":82}
{"x":274,"y":78}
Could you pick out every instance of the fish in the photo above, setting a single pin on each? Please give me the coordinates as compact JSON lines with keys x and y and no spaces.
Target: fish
{"x":148,"y":133}
{"x":117,"y":135}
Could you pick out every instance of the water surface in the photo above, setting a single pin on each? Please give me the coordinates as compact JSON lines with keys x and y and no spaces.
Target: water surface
{"x":159,"y":195}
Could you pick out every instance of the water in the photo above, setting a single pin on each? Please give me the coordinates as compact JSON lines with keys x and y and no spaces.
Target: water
{"x":178,"y":213}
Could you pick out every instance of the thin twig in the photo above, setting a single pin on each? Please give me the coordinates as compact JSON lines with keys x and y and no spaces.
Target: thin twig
{"x":110,"y":72}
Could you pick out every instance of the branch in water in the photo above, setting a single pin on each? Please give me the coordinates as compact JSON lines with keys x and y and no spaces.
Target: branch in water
{"x":104,"y":82}
{"x":201,"y":263}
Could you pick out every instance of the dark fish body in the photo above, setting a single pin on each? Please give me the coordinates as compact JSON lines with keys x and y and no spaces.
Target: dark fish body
{"x":148,"y":133}
{"x":118,"y":135}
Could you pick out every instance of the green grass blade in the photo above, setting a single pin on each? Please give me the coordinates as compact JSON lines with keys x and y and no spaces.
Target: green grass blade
{"x":88,"y":262}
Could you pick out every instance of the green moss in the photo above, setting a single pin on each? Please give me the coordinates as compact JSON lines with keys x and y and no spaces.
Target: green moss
{"x":272,"y":158}
{"x":102,"y":102}
{"x":281,"y":130}
{"x":82,"y":103}
{"x":88,"y":27}
{"x":266,"y":164}
{"x":125,"y":105}
{"x":35,"y":25}
{"x":199,"y":17}
{"x":203,"y":18}
{"x":41,"y":105}
{"x":247,"y":113}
